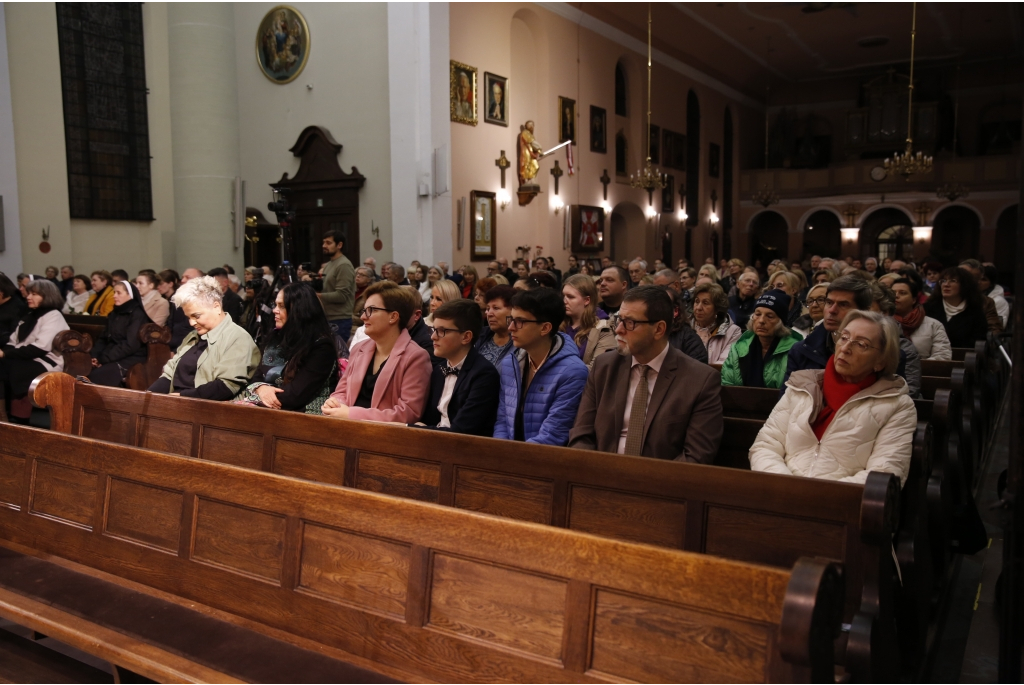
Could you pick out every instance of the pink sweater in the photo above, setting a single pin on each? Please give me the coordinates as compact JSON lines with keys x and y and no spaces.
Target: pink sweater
{"x":402,"y":389}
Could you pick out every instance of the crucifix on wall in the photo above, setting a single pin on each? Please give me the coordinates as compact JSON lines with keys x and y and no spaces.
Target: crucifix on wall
{"x":605,"y":180}
{"x":557,"y":172}
{"x":502,"y":163}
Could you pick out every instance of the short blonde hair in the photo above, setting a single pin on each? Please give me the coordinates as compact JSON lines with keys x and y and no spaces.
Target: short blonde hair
{"x":205,"y":290}
{"x":792,"y":281}
{"x":447,"y":290}
{"x":889,"y":331}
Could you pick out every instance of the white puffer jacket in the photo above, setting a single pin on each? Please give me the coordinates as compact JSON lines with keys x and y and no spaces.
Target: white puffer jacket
{"x":873,"y":431}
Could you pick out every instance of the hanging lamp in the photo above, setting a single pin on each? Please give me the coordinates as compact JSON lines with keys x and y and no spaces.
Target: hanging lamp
{"x":908,"y":162}
{"x":648,"y":178}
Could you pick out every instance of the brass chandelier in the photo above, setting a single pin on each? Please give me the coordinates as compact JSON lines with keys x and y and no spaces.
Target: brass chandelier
{"x":908,"y":163}
{"x":648,"y":178}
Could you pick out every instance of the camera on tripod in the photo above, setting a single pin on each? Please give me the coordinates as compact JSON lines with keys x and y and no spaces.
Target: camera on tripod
{"x":281,"y":208}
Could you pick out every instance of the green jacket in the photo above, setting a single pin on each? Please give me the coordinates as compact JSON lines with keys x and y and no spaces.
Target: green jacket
{"x":339,"y":288}
{"x":231,"y":357}
{"x":774,"y":368}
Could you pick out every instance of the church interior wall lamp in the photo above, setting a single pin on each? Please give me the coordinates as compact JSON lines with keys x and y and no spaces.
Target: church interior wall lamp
{"x":849,"y":234}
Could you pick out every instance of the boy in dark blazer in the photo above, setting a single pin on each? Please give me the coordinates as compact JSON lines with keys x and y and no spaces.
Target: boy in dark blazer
{"x":464,"y":386}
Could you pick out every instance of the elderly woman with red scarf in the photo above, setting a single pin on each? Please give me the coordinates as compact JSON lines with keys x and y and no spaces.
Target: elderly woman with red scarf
{"x":851,"y":418}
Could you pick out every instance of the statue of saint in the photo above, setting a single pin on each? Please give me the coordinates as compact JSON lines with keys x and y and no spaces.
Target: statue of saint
{"x":529,"y":153}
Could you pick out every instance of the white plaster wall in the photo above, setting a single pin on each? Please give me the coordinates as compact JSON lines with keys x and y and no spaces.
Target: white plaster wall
{"x":10,"y":257}
{"x":38,"y":116}
{"x":343,"y":88}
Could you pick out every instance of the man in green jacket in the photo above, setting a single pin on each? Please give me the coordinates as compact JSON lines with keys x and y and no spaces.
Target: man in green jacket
{"x":339,"y":284}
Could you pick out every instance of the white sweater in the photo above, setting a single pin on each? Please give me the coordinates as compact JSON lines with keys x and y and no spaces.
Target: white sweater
{"x":46,"y":329}
{"x":931,"y":340}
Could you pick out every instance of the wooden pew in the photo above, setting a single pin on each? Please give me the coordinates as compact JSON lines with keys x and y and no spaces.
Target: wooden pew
{"x":754,"y":517}
{"x":157,"y":340}
{"x":93,"y":326}
{"x":323,"y":584}
{"x":961,"y":383}
{"x":748,"y":403}
{"x":74,"y":346}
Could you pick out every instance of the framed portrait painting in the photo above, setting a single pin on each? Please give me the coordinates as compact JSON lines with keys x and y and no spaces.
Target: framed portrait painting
{"x":462,"y":95}
{"x":566,"y":120}
{"x":598,"y":130}
{"x":483,"y":219}
{"x":496,"y":99}
{"x":282,"y":44}
{"x":714,"y":159}
{"x":587,"y":228}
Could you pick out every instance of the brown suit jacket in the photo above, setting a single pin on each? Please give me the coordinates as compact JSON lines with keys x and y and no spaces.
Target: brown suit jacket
{"x":684,"y":417}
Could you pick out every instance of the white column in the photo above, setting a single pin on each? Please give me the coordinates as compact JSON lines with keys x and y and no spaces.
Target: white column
{"x":418,"y":96}
{"x":204,"y":130}
{"x":10,"y":257}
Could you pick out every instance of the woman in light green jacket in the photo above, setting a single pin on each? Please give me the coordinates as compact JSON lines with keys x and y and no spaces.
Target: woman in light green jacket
{"x":758,"y":359}
{"x":217,"y":359}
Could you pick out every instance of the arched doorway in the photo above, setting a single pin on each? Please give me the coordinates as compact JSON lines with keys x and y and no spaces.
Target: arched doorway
{"x":768,"y":237}
{"x":821,"y":235}
{"x":631,"y":235}
{"x":1006,"y":245}
{"x":896,"y":244}
{"x":955,"y":234}
{"x":692,"y":159}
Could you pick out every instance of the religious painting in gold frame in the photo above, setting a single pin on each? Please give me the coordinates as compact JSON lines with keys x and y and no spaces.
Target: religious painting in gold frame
{"x":485,"y":221}
{"x":282,"y":44}
{"x":462,"y":93}
{"x":566,"y":120}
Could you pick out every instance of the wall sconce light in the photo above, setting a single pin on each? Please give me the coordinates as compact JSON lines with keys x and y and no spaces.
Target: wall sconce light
{"x":606,"y":206}
{"x":922,"y":233}
{"x":713,"y":219}
{"x":504,"y":199}
{"x":651,"y":213}
{"x":849,"y":234}
{"x":557,"y":204}
{"x":682,"y":215}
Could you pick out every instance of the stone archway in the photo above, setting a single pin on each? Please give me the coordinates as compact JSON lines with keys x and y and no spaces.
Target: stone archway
{"x":821,"y":235}
{"x":630,"y":233}
{"x":896,"y":244}
{"x":769,"y":237}
{"x":956,"y":232}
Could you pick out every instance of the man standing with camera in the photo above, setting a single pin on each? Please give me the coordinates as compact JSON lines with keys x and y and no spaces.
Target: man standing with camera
{"x":338,"y":285}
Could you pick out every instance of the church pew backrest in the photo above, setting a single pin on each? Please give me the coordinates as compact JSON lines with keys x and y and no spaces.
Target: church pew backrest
{"x":748,"y":403}
{"x":74,"y":347}
{"x":756,"y":517}
{"x":93,"y":326}
{"x":440,"y":593}
{"x":157,"y":340}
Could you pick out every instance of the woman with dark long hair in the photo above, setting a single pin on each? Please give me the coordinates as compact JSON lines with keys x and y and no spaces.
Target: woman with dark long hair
{"x":12,"y":307}
{"x":119,"y":348}
{"x":299,"y":368}
{"x":28,"y":352}
{"x":958,"y":305}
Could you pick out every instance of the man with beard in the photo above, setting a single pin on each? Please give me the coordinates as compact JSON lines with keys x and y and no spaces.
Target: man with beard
{"x":339,"y":284}
{"x":650,"y":399}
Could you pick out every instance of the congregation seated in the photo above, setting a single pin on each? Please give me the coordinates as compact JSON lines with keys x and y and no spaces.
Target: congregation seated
{"x":650,"y":399}
{"x":743,"y":301}
{"x":591,"y":333}
{"x":443,"y":291}
{"x":910,"y":361}
{"x":928,"y":335}
{"x":494,"y":341}
{"x":850,"y":418}
{"x":758,"y":359}
{"x":28,"y":351}
{"x":711,"y":321}
{"x":388,"y":375}
{"x":464,"y":388}
{"x":543,"y":380}
{"x":119,"y":348}
{"x":157,"y":308}
{"x":231,"y":301}
{"x":612,"y":287}
{"x":179,"y":323}
{"x":681,"y":335}
{"x":216,"y":360}
{"x":12,"y":307}
{"x":299,"y":368}
{"x":418,"y":330}
{"x":988,"y":305}
{"x":78,"y":295}
{"x":958,"y":306}
{"x":815,"y":303}
{"x":101,"y":302}
{"x":989,"y":288}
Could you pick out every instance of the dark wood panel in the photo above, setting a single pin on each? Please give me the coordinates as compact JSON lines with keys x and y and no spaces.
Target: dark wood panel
{"x":310,"y":461}
{"x":648,"y":641}
{"x":355,"y":569}
{"x":729,"y":531}
{"x":112,"y":426}
{"x":627,"y":516}
{"x":12,"y":480}
{"x":165,"y":435}
{"x":232,"y":447}
{"x":410,"y":478}
{"x":65,"y":493}
{"x":502,"y":494}
{"x":248,"y":541}
{"x":144,"y":514}
{"x":515,"y":609}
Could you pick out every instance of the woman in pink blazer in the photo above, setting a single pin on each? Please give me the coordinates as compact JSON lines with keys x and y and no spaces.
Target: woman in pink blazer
{"x":388,"y":376}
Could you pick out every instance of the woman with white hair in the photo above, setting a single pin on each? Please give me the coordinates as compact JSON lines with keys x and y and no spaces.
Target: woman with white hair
{"x":853,"y":417}
{"x":216,"y":360}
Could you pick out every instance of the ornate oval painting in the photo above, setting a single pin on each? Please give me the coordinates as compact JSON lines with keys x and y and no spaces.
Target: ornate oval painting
{"x":282,"y":44}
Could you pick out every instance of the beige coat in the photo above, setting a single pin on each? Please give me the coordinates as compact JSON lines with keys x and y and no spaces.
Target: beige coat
{"x":931,"y":340}
{"x":231,"y":357}
{"x":873,"y":431}
{"x":600,"y":339}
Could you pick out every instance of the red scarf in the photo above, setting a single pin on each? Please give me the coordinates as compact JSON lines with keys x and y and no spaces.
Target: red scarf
{"x":837,"y":392}
{"x":911,"y":321}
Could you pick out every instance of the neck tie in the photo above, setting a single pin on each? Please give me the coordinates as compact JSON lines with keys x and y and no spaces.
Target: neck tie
{"x":637,"y":415}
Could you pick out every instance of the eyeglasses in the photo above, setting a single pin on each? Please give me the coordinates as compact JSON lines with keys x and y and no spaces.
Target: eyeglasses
{"x":370,"y":311}
{"x":630,"y":324}
{"x":816,"y":300}
{"x":441,"y":331}
{"x":516,"y":324}
{"x":858,"y":345}
{"x":951,"y":281}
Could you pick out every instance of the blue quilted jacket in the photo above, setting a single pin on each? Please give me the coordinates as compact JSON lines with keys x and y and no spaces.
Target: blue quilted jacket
{"x":549,"y":409}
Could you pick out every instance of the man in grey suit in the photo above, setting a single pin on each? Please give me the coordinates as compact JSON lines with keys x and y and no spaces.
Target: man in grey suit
{"x":650,"y":399}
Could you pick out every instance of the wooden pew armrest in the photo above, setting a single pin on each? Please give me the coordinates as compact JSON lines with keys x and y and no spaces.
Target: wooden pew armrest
{"x":811,"y":616}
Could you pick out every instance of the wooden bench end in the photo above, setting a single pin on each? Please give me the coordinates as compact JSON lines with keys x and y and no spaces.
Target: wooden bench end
{"x":55,"y":391}
{"x":812,"y":616}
